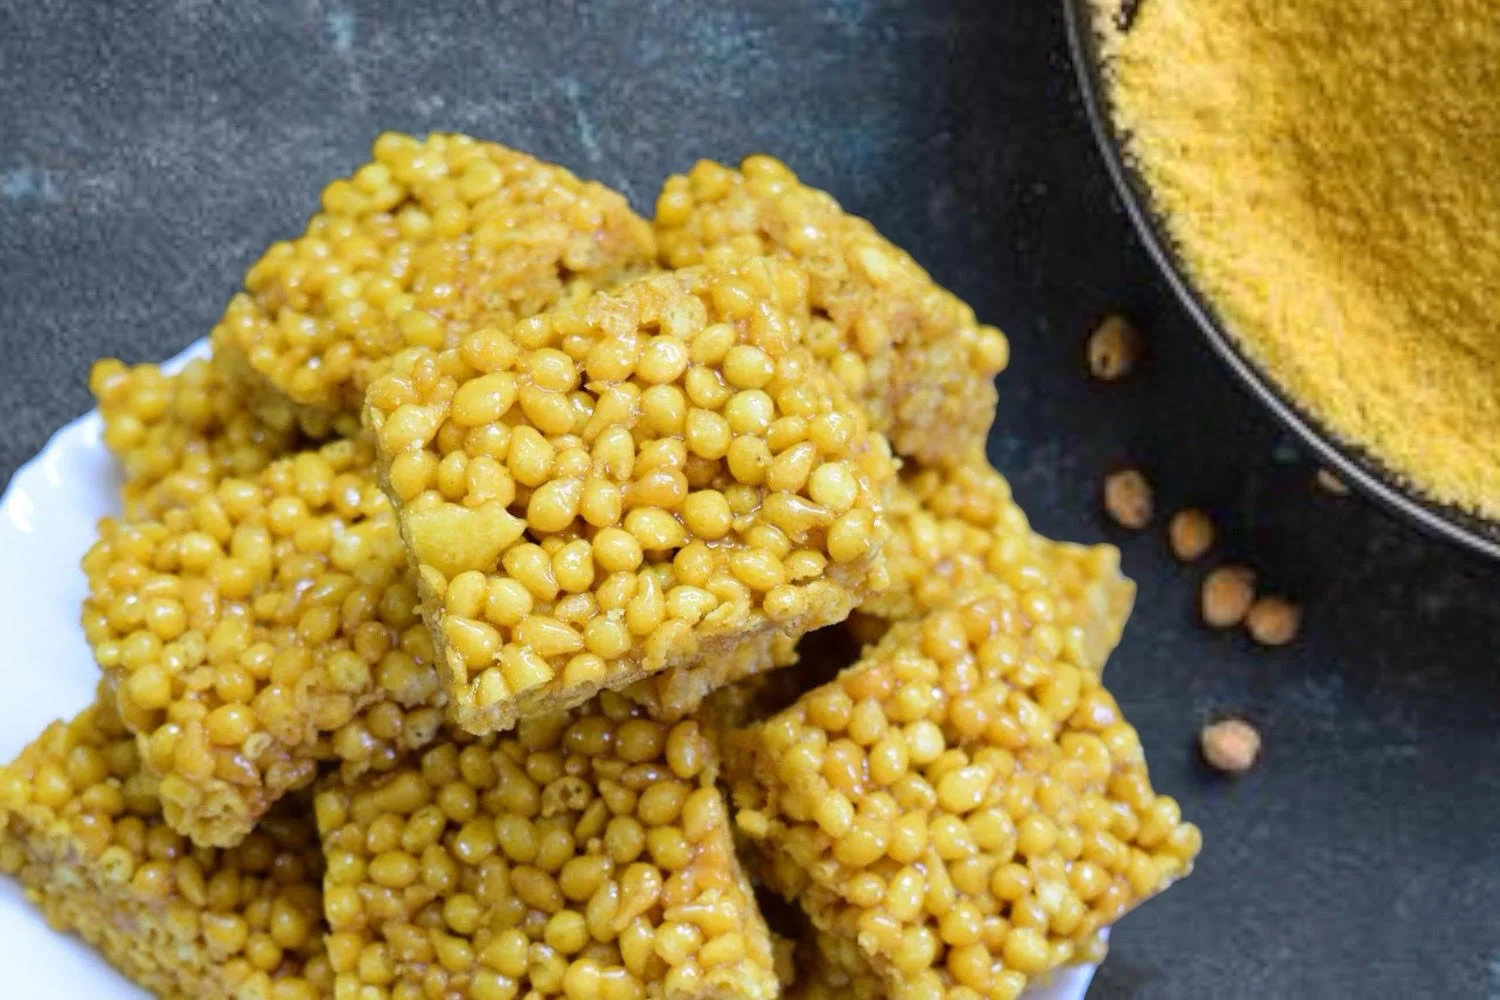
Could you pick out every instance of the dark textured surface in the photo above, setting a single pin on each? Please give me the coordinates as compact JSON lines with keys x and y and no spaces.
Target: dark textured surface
{"x":148,"y":152}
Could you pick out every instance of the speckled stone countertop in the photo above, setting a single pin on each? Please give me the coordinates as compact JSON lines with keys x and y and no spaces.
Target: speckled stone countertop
{"x":149,"y":151}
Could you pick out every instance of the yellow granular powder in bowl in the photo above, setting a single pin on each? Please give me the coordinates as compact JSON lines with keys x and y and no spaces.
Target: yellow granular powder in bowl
{"x":1330,"y":173}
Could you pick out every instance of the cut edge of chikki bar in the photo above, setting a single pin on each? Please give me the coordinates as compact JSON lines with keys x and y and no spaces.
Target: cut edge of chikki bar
{"x":955,"y":524}
{"x":269,"y":404}
{"x":910,"y":350}
{"x":587,"y":853}
{"x":528,"y":640}
{"x":177,"y":435}
{"x":1097,"y":598}
{"x":1104,"y":596}
{"x":82,"y":832}
{"x":964,"y":806}
{"x":673,"y":688}
{"x":266,"y":628}
{"x":673,"y":694}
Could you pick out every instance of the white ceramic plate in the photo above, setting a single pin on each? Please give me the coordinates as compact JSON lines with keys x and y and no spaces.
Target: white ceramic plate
{"x":47,"y":518}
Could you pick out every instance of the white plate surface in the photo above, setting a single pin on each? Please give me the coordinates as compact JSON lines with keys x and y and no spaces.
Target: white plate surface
{"x":47,"y":519}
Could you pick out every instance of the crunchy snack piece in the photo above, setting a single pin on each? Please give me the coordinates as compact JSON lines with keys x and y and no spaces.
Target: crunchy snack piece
{"x":584,"y":854}
{"x":416,"y":247}
{"x":639,"y":482}
{"x":909,"y":350}
{"x":176,"y":436}
{"x":82,"y":830}
{"x":955,"y":524}
{"x":266,"y":627}
{"x":962,"y":810}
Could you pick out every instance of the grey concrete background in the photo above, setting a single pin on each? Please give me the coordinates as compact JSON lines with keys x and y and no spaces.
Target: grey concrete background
{"x":149,"y":151}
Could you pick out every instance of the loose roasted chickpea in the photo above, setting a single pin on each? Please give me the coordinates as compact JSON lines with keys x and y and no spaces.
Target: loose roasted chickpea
{"x":1127,"y":498}
{"x":1191,"y":534}
{"x":1273,"y":621}
{"x":1227,"y":595}
{"x":1113,"y":348}
{"x":1230,"y":745}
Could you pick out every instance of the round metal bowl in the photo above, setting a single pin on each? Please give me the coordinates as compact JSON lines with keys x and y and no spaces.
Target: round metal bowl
{"x":1361,"y":470}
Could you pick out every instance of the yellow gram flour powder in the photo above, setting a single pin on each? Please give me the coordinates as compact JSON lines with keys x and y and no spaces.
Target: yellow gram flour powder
{"x":1330,"y":172}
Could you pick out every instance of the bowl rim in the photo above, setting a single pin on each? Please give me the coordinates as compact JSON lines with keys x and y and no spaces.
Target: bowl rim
{"x":1361,"y":470}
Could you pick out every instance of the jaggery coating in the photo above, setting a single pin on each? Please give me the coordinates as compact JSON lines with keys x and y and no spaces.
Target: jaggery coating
{"x":955,"y":525}
{"x":584,"y":854}
{"x":267,"y":627}
{"x":176,"y":436}
{"x":673,"y":694}
{"x":640,"y":482}
{"x":82,"y":831}
{"x":905,"y":347}
{"x":413,"y":249}
{"x":962,"y":810}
